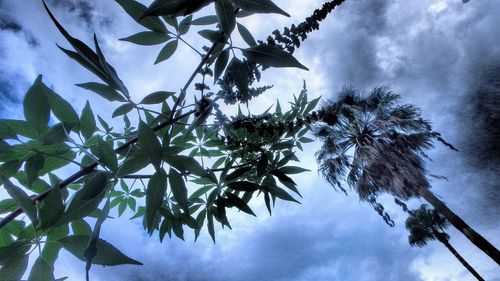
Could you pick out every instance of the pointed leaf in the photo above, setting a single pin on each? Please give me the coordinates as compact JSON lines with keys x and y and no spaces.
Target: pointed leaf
{"x":147,"y":38}
{"x":36,"y":105}
{"x":136,"y":10}
{"x":179,"y":189}
{"x":233,"y":200}
{"x":104,"y":91}
{"x":87,"y":125}
{"x":14,"y":269}
{"x":41,"y":271}
{"x":123,"y":109}
{"x":246,"y":35}
{"x":22,"y":200}
{"x":225,"y":15}
{"x":156,"y":97}
{"x":185,"y":24}
{"x":272,"y":56}
{"x":244,"y":186}
{"x":61,"y":108}
{"x":167,"y":51}
{"x":107,"y":254}
{"x":157,"y":186}
{"x":220,"y":64}
{"x":259,"y":6}
{"x":206,"y":20}
{"x":53,"y":207}
{"x":150,"y":144}
{"x":107,"y":155}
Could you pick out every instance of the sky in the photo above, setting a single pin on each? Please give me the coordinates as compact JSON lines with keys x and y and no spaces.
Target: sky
{"x":442,"y":56}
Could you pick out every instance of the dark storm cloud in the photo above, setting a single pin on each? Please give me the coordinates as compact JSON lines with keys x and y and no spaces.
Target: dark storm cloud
{"x":82,"y":8}
{"x":353,"y":47}
{"x":8,"y":24}
{"x":11,"y":86}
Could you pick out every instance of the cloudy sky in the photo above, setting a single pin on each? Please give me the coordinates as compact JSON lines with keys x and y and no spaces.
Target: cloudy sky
{"x":442,"y":56}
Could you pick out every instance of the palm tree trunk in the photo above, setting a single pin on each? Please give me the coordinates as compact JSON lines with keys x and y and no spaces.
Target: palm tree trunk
{"x":459,"y":224}
{"x":460,"y":258}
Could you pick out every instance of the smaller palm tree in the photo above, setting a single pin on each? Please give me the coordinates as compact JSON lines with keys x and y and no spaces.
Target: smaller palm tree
{"x":427,"y":224}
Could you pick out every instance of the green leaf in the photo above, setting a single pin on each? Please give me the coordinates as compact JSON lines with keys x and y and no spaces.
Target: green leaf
{"x":185,"y":164}
{"x":14,"y":269}
{"x":220,"y":64}
{"x":150,"y":144}
{"x":7,"y":206}
{"x":133,"y":163}
{"x":87,"y":125}
{"x":185,"y":24}
{"x":239,"y":70}
{"x":107,"y":155}
{"x":157,"y":186}
{"x":57,"y":134}
{"x":86,"y":200}
{"x":22,"y":128}
{"x":206,"y":20}
{"x":259,"y":6}
{"x":107,"y":254}
{"x":33,"y":166}
{"x":6,"y":132}
{"x":279,"y":192}
{"x":262,"y":165}
{"x":312,"y":104}
{"x":179,"y":189}
{"x":51,"y":249}
{"x":233,"y":200}
{"x":136,"y":10}
{"x":225,"y":15}
{"x":272,"y":56}
{"x":175,"y":7}
{"x":246,"y":35}
{"x":213,"y":36}
{"x":123,"y":109}
{"x":61,"y":108}
{"x":41,"y":271}
{"x":52,"y":208}
{"x":165,"y":8}
{"x":286,"y":180}
{"x":104,"y":91}
{"x":156,"y":97}
{"x":36,"y":105}
{"x":238,"y":173}
{"x":81,"y":227}
{"x":210,"y":224}
{"x":14,"y":250}
{"x":104,"y":124}
{"x":22,"y":199}
{"x":293,"y":170}
{"x":167,"y":51}
{"x":244,"y":186}
{"x":147,"y":38}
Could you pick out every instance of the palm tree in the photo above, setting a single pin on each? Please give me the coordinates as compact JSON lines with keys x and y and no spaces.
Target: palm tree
{"x":425,"y":224}
{"x":377,"y":146}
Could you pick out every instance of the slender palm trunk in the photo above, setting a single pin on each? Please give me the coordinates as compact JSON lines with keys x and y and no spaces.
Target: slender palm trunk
{"x":459,"y":224}
{"x":460,"y":258}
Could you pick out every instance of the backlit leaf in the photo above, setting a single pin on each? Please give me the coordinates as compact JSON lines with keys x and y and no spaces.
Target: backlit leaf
{"x":157,"y":186}
{"x":147,"y":38}
{"x":150,"y":145}
{"x":272,"y":56}
{"x":107,"y":254}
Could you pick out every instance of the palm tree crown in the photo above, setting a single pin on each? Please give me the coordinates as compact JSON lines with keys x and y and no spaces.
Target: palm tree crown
{"x":374,"y":144}
{"x":425,"y":224}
